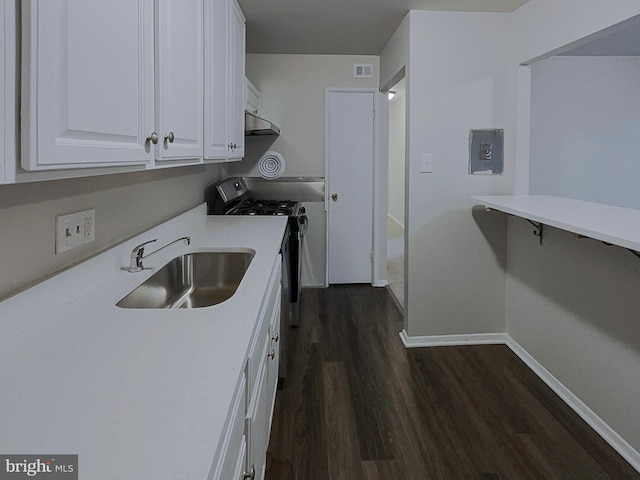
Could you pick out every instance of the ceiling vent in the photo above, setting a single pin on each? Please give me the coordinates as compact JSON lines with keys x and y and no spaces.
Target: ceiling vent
{"x":362,"y":70}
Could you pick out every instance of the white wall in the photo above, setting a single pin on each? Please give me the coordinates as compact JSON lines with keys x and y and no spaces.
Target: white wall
{"x":457,"y":80}
{"x":585,"y":128}
{"x":396,"y":174}
{"x":292,"y":89}
{"x":125,"y":204}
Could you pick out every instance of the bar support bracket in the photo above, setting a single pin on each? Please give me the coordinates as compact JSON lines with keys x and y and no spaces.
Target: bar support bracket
{"x":539,"y":229}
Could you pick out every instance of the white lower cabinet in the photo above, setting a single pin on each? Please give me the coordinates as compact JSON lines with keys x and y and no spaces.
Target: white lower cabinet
{"x":257,"y":423}
{"x":246,"y":438}
{"x":234,"y":443}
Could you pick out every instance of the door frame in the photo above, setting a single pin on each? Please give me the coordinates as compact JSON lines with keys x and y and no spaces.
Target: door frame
{"x":380,"y":187}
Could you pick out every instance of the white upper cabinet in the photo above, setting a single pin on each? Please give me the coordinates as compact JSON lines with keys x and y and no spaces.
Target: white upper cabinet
{"x":111,"y":83}
{"x":236,"y":70}
{"x":224,"y":80}
{"x":88,"y":83}
{"x":179,"y":79}
{"x":7,"y":90}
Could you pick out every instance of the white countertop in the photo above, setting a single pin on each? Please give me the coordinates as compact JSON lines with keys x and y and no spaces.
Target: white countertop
{"x":616,"y":225}
{"x":135,"y":393}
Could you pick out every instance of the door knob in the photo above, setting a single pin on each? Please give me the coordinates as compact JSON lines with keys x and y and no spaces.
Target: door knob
{"x":153,"y":138}
{"x":170,"y":137}
{"x":334,"y":197}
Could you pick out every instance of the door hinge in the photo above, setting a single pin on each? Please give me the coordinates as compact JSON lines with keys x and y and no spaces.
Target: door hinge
{"x":373,"y":256}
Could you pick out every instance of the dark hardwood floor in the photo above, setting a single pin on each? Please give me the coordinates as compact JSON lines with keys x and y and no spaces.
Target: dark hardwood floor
{"x":357,"y":406}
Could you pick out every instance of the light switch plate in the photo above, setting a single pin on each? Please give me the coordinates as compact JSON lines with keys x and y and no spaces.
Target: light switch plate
{"x":426,"y":163}
{"x":75,"y":229}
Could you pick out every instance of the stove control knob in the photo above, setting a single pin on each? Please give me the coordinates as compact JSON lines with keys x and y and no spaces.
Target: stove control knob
{"x":334,"y":197}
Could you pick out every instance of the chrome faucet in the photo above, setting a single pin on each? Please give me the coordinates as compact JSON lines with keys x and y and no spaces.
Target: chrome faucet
{"x":137,"y":254}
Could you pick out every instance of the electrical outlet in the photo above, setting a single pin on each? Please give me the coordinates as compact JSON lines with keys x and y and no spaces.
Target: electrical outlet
{"x":75,"y":229}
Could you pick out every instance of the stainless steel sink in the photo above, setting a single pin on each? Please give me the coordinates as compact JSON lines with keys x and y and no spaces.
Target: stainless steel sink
{"x":192,"y":280}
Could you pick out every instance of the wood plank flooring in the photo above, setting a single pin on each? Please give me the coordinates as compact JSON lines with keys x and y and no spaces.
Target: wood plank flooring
{"x":357,"y":406}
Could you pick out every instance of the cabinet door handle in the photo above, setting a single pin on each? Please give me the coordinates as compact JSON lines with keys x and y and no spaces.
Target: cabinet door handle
{"x":272,"y":355}
{"x":275,"y":338}
{"x":251,"y":475}
{"x":170,"y":137}
{"x":153,"y":138}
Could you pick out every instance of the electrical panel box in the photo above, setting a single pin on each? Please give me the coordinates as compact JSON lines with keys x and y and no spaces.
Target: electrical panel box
{"x":486,"y":151}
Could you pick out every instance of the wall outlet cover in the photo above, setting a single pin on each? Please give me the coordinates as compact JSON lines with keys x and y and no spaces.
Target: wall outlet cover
{"x":75,"y":229}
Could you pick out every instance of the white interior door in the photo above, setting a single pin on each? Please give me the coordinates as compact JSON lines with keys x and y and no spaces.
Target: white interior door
{"x":350,"y":144}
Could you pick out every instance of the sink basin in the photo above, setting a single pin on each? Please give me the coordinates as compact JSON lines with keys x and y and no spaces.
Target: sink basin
{"x":192,"y":280}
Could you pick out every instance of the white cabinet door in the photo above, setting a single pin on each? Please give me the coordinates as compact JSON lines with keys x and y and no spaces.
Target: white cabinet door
{"x":179,"y":79}
{"x":273,"y":359}
{"x":224,"y":80}
{"x":216,"y":93}
{"x":88,"y":83}
{"x":7,"y":90}
{"x":237,"y":94}
{"x":258,"y":420}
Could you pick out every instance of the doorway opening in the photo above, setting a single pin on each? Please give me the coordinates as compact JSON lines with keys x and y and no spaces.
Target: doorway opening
{"x":396,"y":191}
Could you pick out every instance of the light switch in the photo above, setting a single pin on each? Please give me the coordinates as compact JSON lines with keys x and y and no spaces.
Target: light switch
{"x":426,"y":163}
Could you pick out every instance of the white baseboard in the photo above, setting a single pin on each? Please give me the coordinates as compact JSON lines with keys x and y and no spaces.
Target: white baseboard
{"x":618,"y":443}
{"x":442,"y":340}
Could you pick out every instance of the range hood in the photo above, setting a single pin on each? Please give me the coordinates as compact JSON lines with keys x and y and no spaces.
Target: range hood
{"x":254,"y":125}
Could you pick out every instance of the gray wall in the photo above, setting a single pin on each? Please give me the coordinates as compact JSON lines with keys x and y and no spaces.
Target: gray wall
{"x":559,"y":301}
{"x":585,"y":128}
{"x":126,"y":204}
{"x":573,"y":304}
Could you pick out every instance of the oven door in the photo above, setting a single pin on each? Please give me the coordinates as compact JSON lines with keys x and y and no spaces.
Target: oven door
{"x":285,"y":301}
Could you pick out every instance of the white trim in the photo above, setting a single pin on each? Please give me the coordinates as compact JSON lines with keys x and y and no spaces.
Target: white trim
{"x":609,"y":435}
{"x":523,"y":132}
{"x":442,"y":340}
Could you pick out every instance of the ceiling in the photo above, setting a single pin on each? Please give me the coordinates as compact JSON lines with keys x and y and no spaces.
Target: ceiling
{"x":341,"y":27}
